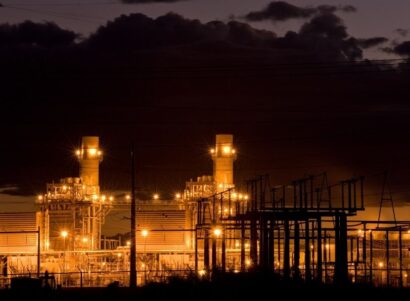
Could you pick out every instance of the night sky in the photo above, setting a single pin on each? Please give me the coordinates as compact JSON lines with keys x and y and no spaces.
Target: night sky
{"x":290,"y":80}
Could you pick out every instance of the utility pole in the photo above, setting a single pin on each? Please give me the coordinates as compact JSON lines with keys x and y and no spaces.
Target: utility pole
{"x":38,"y":249}
{"x":133,"y":251}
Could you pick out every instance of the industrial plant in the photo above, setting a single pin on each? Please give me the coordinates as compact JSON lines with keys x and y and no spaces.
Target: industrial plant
{"x":299,"y":230}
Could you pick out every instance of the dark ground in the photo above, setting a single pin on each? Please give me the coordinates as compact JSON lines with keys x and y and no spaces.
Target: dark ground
{"x":230,"y":287}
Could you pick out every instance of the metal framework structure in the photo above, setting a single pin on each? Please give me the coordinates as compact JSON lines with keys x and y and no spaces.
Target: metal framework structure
{"x":301,"y":230}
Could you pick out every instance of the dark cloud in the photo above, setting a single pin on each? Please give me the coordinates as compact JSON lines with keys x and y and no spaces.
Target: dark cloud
{"x":325,"y":26}
{"x":280,"y":11}
{"x":372,"y":42}
{"x":401,"y":31}
{"x":283,"y":11}
{"x":348,"y":8}
{"x":297,"y":104}
{"x":403,"y":48}
{"x":35,"y":34}
{"x":328,"y":33}
{"x":138,"y":31}
{"x":325,"y":35}
{"x":333,"y":9}
{"x":149,"y":1}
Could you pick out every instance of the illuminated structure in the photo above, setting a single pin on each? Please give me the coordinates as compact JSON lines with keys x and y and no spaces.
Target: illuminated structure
{"x":90,"y":157}
{"x":74,"y":208}
{"x":299,"y":229}
{"x":223,"y":155}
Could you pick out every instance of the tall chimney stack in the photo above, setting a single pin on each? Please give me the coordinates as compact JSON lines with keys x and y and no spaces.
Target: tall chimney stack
{"x":223,"y":155}
{"x":89,"y":157}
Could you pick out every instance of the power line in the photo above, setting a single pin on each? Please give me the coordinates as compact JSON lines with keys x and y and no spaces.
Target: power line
{"x":76,"y":17}
{"x":66,"y":3}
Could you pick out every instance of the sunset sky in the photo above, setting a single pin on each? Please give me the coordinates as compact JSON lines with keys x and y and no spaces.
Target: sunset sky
{"x":296,"y":95}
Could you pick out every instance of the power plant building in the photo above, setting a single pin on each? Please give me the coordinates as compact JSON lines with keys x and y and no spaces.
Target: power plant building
{"x":210,"y":225}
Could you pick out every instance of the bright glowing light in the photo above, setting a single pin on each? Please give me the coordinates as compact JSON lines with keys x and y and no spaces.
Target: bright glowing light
{"x":311,"y":246}
{"x":381,"y":264}
{"x":245,"y":197}
{"x":85,"y":239}
{"x":177,"y":196}
{"x":201,"y":272}
{"x":78,"y":152}
{"x":212,"y":151}
{"x":111,"y":198}
{"x":226,"y":149}
{"x":234,"y":151}
{"x":127,"y":197}
{"x":64,"y":234}
{"x":128,"y":243}
{"x":99,"y":153}
{"x":405,"y":275}
{"x":248,"y":262}
{"x":103,"y":197}
{"x":327,"y":246}
{"x":240,"y":196}
{"x":225,"y":210}
{"x":64,"y":187}
{"x":119,"y":254}
{"x":95,"y":197}
{"x":246,"y":245}
{"x":155,"y":196}
{"x":40,"y":197}
{"x":236,"y":271}
{"x":237,"y":244}
{"x":144,"y":233}
{"x":92,"y":151}
{"x":234,"y":195}
{"x":47,"y":244}
{"x":217,"y":232}
{"x":143,"y":265}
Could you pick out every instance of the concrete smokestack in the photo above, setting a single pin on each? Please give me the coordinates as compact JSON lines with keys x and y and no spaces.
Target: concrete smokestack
{"x":89,"y":157}
{"x":223,"y":155}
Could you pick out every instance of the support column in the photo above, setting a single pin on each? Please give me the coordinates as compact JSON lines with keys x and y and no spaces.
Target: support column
{"x":213,"y":254}
{"x":341,"y":274}
{"x":387,"y":259}
{"x":271,"y":247}
{"x":206,"y":250}
{"x":262,"y":243}
{"x":371,"y":258}
{"x":308,"y":275}
{"x":319,"y":249}
{"x":364,"y":251}
{"x":223,"y":252}
{"x":196,"y":251}
{"x":286,"y":251}
{"x":400,"y":258}
{"x":254,"y":243}
{"x":296,"y":250}
{"x":243,"y":267}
